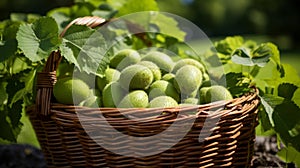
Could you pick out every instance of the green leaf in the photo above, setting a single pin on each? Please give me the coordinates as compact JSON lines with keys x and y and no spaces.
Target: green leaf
{"x":167,"y":25}
{"x":3,"y":94}
{"x":265,"y":123}
{"x":260,"y":56}
{"x":262,"y":53}
{"x":296,"y":97}
{"x":270,"y":102}
{"x":237,"y":84}
{"x":229,"y":44}
{"x":6,"y":131}
{"x":14,"y":114}
{"x":8,"y":47}
{"x":39,"y":39}
{"x":19,"y":64}
{"x":286,"y":90}
{"x":286,"y":115}
{"x":242,"y":56}
{"x":28,"y":80}
{"x":289,"y":155}
{"x":85,"y":47}
{"x":131,"y":6}
{"x":286,"y":118}
{"x":13,"y":86}
{"x":290,"y":75}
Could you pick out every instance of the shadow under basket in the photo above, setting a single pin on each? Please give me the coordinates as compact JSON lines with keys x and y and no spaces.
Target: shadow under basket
{"x":219,"y":134}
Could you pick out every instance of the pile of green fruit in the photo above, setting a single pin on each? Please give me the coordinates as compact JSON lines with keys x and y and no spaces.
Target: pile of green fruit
{"x":150,"y":80}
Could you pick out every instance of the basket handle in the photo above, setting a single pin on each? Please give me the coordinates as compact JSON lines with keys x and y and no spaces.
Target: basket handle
{"x":47,"y":78}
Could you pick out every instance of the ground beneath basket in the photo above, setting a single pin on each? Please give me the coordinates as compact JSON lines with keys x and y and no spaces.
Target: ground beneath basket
{"x":26,"y":156}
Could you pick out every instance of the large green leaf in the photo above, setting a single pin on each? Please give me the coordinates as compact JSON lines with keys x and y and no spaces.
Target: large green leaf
{"x":270,"y":102}
{"x":85,"y":47}
{"x":167,"y":25}
{"x":286,"y":115}
{"x":39,"y":39}
{"x":286,"y":119}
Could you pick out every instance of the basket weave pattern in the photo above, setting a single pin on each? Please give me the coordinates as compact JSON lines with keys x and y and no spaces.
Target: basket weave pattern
{"x":227,"y":137}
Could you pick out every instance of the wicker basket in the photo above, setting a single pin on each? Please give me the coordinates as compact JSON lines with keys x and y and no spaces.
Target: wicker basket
{"x":227,"y":130}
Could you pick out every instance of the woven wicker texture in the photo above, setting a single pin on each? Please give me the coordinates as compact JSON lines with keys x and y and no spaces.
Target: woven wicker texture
{"x":221,"y":134}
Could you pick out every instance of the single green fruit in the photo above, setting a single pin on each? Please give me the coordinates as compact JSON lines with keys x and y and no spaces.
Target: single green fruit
{"x":135,"y":99}
{"x":110,"y":75}
{"x":217,"y":93}
{"x":163,"y":101}
{"x":93,"y":102}
{"x":191,"y":100}
{"x":124,"y":58}
{"x":163,"y":88}
{"x":112,"y":94}
{"x":70,"y":91}
{"x":202,"y":94}
{"x":188,"y":79}
{"x":168,"y":77}
{"x":136,"y":77}
{"x":87,"y":78}
{"x":188,"y":61}
{"x":153,"y":67}
{"x":162,"y":60}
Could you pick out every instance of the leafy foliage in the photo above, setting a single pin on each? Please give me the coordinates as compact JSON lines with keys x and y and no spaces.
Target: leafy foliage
{"x":278,"y":84}
{"x":28,"y":39}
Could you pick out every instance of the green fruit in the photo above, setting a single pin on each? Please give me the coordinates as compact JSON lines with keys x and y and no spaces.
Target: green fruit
{"x":188,"y":79}
{"x":202,"y":94}
{"x":135,"y":99}
{"x":110,"y":75}
{"x":112,"y":94}
{"x":163,"y":101}
{"x":187,"y":61}
{"x":136,"y":77}
{"x":162,"y":60}
{"x":153,"y":67}
{"x":93,"y":102}
{"x":70,"y":91}
{"x":168,"y":77}
{"x":124,"y":58}
{"x":87,"y":78}
{"x":217,"y":93}
{"x":191,"y":101}
{"x":163,"y":88}
{"x":206,"y":77}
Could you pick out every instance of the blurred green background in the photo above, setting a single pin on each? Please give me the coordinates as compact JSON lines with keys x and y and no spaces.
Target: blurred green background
{"x":263,"y":20}
{"x":260,"y":20}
